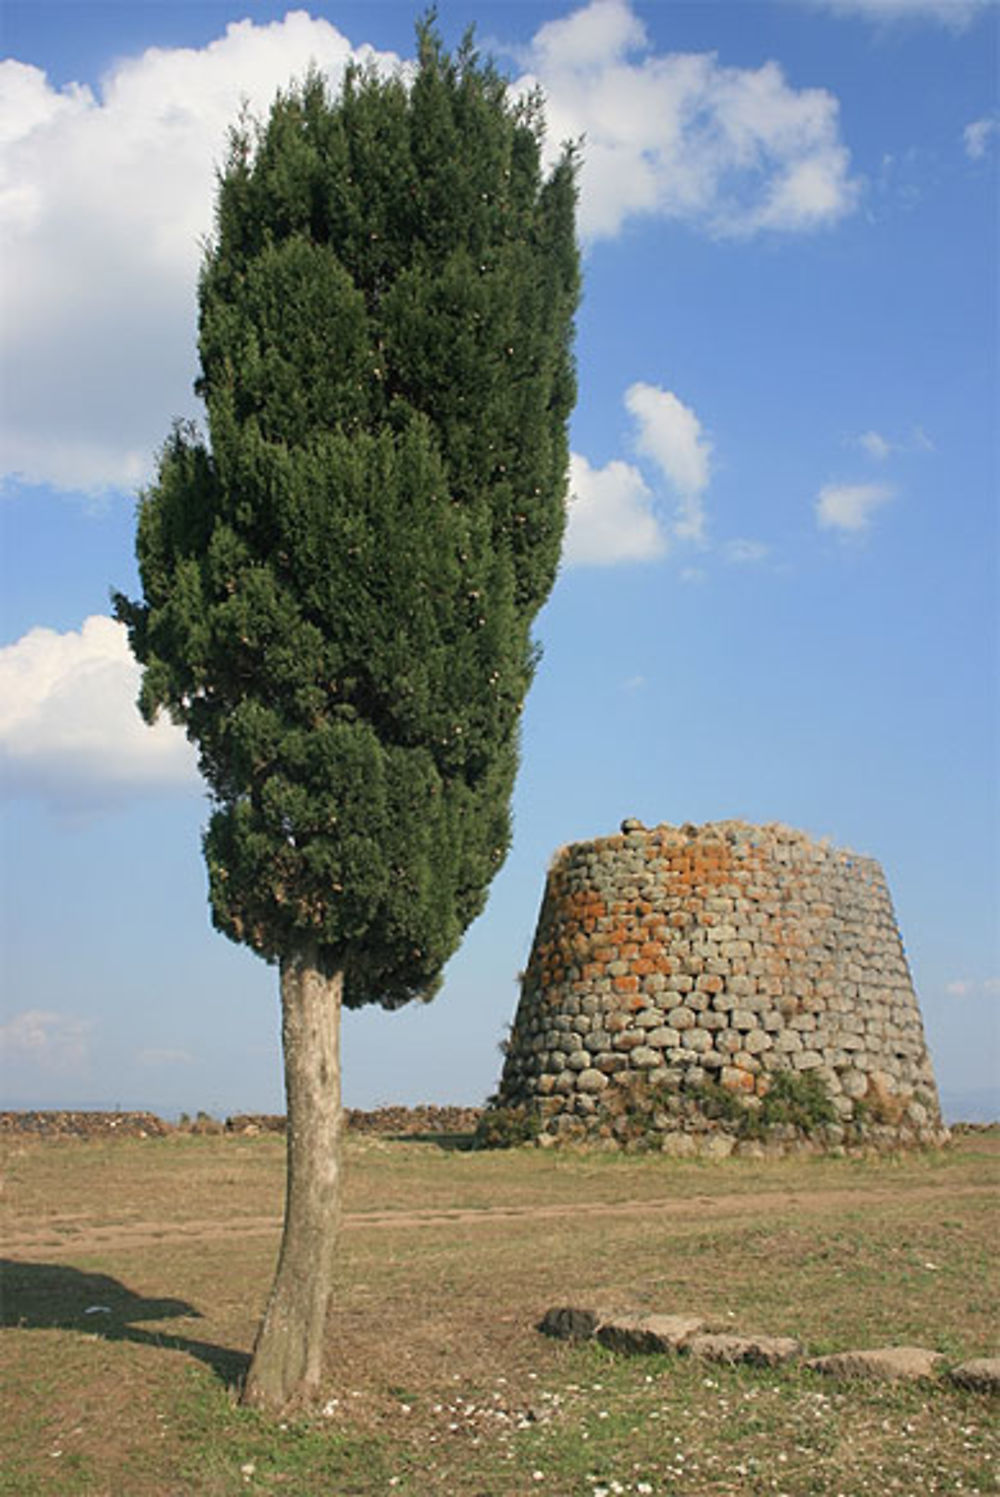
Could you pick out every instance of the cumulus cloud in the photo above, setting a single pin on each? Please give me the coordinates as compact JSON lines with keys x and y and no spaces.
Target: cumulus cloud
{"x":105,"y":201}
{"x":849,"y":507}
{"x":611,"y":516}
{"x":671,"y":436}
{"x":69,"y":727}
{"x":978,"y":137}
{"x":955,"y":14}
{"x":731,"y":151}
{"x":613,"y":512}
{"x":47,"y":1040}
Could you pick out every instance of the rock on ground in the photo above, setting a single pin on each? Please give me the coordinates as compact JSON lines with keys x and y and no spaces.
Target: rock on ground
{"x":906,"y":1362}
{"x":569,"y":1323}
{"x":648,"y":1333}
{"x":982,"y":1375}
{"x":760,"y":1351}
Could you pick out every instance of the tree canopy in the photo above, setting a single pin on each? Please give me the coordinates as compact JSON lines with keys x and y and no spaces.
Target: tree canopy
{"x":339,"y":581}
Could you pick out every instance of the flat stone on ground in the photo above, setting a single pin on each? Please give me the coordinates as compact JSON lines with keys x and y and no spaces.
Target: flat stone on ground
{"x":760,"y":1351}
{"x":569,"y":1323}
{"x":648,"y":1333}
{"x":982,"y":1375}
{"x":880,"y":1362}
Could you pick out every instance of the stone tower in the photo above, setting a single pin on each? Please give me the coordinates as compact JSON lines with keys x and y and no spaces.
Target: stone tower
{"x":670,"y":959}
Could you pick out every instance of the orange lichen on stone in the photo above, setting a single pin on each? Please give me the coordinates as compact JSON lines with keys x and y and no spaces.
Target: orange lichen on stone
{"x":736,"y":1080}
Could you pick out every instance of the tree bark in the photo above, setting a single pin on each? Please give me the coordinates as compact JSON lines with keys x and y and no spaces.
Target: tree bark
{"x":287,"y":1361}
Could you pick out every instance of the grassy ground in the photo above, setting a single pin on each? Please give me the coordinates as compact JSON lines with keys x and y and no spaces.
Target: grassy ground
{"x":136,"y":1271}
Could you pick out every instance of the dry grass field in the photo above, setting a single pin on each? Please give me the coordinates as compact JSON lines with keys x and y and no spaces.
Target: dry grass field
{"x":135,"y":1270}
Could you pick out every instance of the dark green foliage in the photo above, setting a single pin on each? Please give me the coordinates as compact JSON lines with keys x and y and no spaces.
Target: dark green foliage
{"x":339,"y":585}
{"x":506,"y":1128}
{"x":717,"y":1102}
{"x":800,"y":1098}
{"x":797,"y":1099}
{"x":639,"y":1112}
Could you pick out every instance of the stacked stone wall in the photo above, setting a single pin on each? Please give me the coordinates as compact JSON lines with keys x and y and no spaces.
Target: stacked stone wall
{"x":673,"y":957}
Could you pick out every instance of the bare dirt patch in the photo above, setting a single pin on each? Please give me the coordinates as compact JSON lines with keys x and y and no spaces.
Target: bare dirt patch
{"x":76,"y":1233}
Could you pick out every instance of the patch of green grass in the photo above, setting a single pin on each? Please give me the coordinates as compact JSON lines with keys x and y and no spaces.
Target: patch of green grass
{"x":228,"y":1449}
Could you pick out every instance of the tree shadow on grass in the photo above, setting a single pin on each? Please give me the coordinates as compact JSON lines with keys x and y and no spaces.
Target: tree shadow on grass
{"x":54,"y":1296}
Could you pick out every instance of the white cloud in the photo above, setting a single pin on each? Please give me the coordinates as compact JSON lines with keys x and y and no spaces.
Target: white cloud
{"x":849,"y":506}
{"x":953,"y":13}
{"x":106,"y":197}
{"x":979,"y":135}
{"x":875,"y":445}
{"x":51,"y":1041}
{"x":105,"y":200}
{"x":964,"y":987}
{"x":155,"y":1058}
{"x":69,"y":727}
{"x":879,"y":448}
{"x":744,"y":553}
{"x":670,"y":434}
{"x":612,"y":511}
{"x":731,"y":151}
{"x":611,"y":517}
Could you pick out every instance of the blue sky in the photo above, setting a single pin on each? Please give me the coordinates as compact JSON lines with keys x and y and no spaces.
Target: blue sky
{"x":779,"y":592}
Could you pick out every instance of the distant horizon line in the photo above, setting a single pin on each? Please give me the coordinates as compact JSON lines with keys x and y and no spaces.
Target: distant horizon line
{"x":979,"y":1104}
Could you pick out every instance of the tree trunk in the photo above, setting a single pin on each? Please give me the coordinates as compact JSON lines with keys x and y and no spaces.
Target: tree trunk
{"x":287,"y":1359}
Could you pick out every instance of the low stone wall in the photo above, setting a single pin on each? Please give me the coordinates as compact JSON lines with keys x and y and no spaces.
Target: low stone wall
{"x":671,"y":958}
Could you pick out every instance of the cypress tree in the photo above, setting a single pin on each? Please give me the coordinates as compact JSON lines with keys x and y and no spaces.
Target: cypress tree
{"x":339,"y":582}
